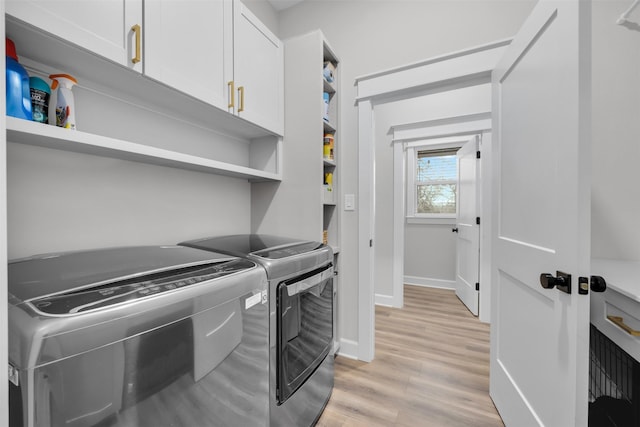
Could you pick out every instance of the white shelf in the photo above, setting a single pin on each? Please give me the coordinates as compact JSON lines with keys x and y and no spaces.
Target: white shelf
{"x":329,"y":162}
{"x":328,"y":196}
{"x":328,"y":87}
{"x":32,"y":133}
{"x":328,"y":127}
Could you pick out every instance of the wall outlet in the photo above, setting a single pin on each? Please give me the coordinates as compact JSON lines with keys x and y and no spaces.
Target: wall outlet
{"x":349,"y":202}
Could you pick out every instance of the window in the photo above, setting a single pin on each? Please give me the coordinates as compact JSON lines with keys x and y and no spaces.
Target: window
{"x":436,"y":182}
{"x":432,"y":190}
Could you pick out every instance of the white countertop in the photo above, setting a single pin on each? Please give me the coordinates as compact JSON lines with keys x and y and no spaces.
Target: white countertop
{"x":621,"y":276}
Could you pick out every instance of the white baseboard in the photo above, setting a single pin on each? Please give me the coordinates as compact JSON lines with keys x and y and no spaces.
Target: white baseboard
{"x":385,"y":300}
{"x":429,"y":283}
{"x":348,"y":349}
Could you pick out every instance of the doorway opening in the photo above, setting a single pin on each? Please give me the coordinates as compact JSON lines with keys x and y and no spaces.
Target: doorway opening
{"x":436,"y":242}
{"x":454,"y":101}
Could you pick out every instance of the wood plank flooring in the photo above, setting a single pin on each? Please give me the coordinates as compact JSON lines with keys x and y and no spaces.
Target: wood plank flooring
{"x":431,"y":368}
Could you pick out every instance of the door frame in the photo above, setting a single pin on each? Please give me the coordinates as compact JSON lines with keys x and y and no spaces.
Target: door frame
{"x":464,"y":68}
{"x":433,"y":132}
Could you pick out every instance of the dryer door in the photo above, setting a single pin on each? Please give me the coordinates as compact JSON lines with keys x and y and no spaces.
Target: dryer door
{"x":305,"y":328}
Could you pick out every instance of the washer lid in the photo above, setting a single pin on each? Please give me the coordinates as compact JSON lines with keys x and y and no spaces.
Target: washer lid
{"x":261,"y":245}
{"x":53,"y":274}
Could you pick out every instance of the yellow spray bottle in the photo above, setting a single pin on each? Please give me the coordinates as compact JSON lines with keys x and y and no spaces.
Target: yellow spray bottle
{"x":65,"y":105}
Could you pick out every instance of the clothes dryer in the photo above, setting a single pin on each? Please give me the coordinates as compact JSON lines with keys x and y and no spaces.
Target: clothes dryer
{"x":300,"y":275}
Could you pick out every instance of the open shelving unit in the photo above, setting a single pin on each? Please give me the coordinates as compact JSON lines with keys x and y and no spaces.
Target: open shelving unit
{"x":301,"y":206}
{"x":42,"y":135}
{"x":330,"y":163}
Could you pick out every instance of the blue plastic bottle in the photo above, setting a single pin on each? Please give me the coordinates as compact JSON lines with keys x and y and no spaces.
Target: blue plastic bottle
{"x":18,"y":94}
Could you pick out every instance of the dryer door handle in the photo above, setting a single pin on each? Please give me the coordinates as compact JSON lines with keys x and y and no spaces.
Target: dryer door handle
{"x":309,"y":282}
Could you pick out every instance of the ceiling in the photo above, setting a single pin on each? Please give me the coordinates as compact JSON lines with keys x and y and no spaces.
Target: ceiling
{"x":283,"y":4}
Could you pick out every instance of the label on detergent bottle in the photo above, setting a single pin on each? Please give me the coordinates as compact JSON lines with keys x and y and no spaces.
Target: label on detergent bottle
{"x":40,"y":105}
{"x":40,"y":94}
{"x":62,"y":113}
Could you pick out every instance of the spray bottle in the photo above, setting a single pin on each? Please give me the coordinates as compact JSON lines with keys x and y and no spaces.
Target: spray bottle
{"x":65,"y":105}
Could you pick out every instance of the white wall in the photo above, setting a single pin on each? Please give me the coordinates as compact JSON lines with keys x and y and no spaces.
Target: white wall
{"x":60,"y":201}
{"x":429,"y":252}
{"x":615,"y":196}
{"x":265,"y":12}
{"x":375,"y":35}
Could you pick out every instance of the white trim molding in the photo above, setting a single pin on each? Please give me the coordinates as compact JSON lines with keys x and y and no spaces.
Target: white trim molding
{"x":454,"y":68}
{"x":430,"y":283}
{"x":348,"y":349}
{"x":447,"y":130}
{"x":430,"y":221}
{"x":384,"y":300}
{"x":366,"y":227}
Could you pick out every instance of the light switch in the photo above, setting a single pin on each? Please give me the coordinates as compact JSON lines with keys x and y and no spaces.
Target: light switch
{"x":349,"y":202}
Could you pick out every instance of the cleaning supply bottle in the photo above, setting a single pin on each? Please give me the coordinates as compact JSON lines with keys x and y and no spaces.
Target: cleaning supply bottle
{"x":18,"y":100}
{"x":40,"y":94}
{"x":65,"y":105}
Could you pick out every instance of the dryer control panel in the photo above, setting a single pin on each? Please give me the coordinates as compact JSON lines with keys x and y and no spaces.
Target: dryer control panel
{"x":288,"y":251}
{"x":129,"y":289}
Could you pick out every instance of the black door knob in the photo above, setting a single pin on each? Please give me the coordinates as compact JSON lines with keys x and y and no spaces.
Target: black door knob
{"x":598,"y":284}
{"x":561,"y":281}
{"x":455,"y":230}
{"x":549,"y":281}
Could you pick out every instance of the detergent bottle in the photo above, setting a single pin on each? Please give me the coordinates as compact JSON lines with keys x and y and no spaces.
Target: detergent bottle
{"x":65,"y":105}
{"x":40,"y":94}
{"x":18,"y":101}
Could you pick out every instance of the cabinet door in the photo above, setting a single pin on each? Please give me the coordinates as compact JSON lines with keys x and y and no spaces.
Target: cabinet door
{"x":258,"y":71}
{"x":104,"y":27}
{"x":188,"y":46}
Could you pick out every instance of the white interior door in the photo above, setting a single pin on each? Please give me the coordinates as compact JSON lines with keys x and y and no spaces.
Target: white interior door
{"x":468,"y":229}
{"x":540,"y":337}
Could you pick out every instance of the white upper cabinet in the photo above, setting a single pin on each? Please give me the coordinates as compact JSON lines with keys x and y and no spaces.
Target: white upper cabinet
{"x":219,"y":53}
{"x":258,"y":72}
{"x":188,"y":47}
{"x":109,"y":28}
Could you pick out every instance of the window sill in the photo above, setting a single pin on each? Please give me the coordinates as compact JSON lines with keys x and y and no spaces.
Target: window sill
{"x":430,"y":221}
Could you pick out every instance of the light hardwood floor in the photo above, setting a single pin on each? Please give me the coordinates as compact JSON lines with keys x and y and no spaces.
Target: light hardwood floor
{"x":431,"y":368}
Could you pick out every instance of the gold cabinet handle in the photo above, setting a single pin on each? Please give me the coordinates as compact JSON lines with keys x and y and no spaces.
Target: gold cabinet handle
{"x":232,"y":95}
{"x":619,"y":321}
{"x":137,"y":32}
{"x":241,"y":94}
